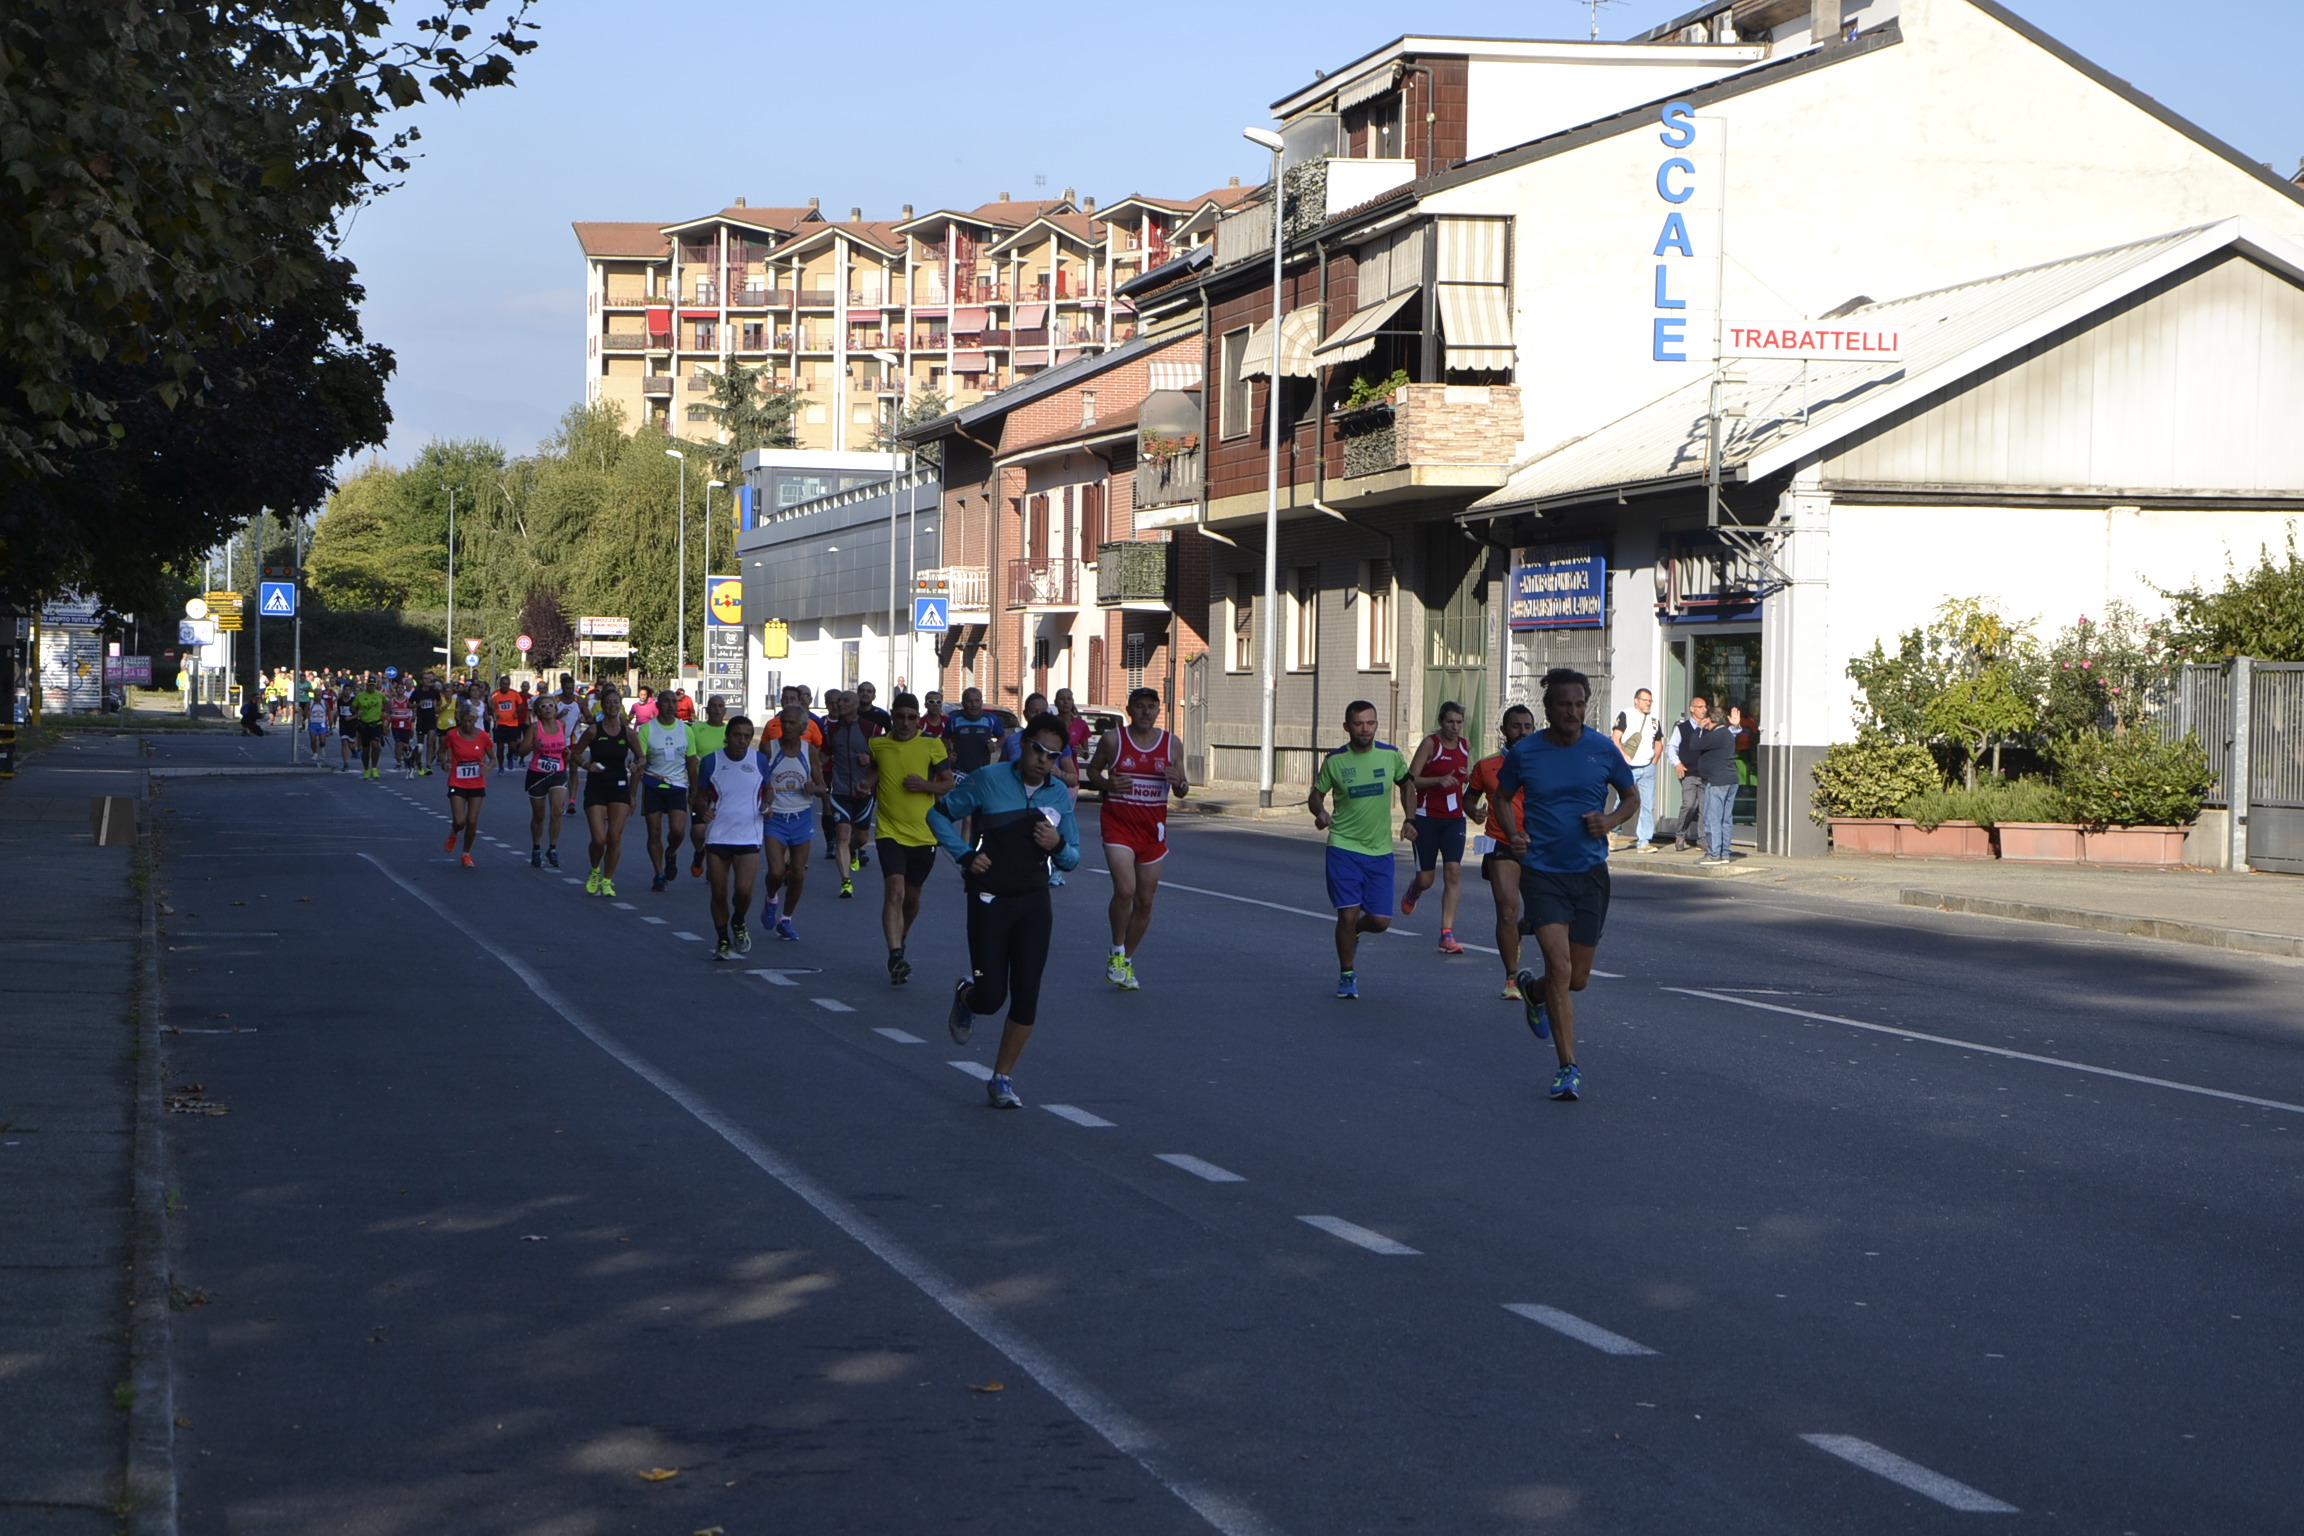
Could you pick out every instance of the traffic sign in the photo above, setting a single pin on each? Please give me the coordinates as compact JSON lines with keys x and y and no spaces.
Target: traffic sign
{"x":598,"y":628}
{"x":276,"y":599}
{"x":225,"y":607}
{"x":525,"y":643}
{"x":390,"y":673}
{"x":930,"y":615}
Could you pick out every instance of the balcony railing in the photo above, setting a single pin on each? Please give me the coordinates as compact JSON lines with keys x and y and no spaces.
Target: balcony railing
{"x":967,"y":588}
{"x":1043,"y":583}
{"x":630,"y":300}
{"x":1457,"y":424}
{"x":760,"y":298}
{"x":624,"y":341}
{"x":657,"y":384}
{"x":816,"y":298}
{"x":1169,"y":479}
{"x":1132,"y":574}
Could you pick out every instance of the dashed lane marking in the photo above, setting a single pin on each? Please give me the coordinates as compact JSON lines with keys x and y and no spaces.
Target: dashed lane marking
{"x":661,"y":922}
{"x":693,"y":938}
{"x":974,"y":1069}
{"x":1995,"y":1050}
{"x":900,"y":1036}
{"x":1374,"y":1242}
{"x":1911,"y":1475}
{"x":831,"y":1005}
{"x":1576,"y":1328}
{"x":1078,"y":1116}
{"x":625,"y":906}
{"x":1200,"y":1168}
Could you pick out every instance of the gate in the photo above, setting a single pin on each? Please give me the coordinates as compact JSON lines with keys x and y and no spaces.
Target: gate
{"x":2275,"y":752}
{"x":1195,"y":721}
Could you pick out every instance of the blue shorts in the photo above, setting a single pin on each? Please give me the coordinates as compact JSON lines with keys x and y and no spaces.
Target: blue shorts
{"x":793,"y":831}
{"x":1362,"y":880}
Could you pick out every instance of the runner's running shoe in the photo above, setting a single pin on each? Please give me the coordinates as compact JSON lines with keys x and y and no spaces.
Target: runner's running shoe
{"x":847,"y":888}
{"x":1347,"y":985}
{"x":1511,"y":992}
{"x":1448,"y":944}
{"x":1002,"y":1092}
{"x":960,"y":1023}
{"x":535,"y":858}
{"x":656,"y":884}
{"x":607,"y":886}
{"x":592,"y":883}
{"x":743,"y":939}
{"x":1567,"y":1082}
{"x":1116,"y":970}
{"x":720,"y":951}
{"x":467,"y":861}
{"x":696,"y":866}
{"x":1408,"y":899}
{"x":448,"y":844}
{"x":784,"y":931}
{"x":1128,"y":976}
{"x":899,"y":968}
{"x":552,"y":856}
{"x":1532,"y":1004}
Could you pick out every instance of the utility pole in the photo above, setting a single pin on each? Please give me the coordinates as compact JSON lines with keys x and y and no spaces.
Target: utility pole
{"x":448,"y":641}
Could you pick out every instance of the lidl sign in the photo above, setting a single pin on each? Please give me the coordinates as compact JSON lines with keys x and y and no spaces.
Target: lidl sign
{"x":724,"y":600}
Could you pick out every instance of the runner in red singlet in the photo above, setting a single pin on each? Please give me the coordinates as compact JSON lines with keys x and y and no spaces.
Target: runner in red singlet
{"x":1136,"y":767}
{"x":467,"y":750}
{"x":1440,"y":768}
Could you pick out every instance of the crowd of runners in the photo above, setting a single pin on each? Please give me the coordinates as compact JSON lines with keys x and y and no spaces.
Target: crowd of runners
{"x":741,"y":805}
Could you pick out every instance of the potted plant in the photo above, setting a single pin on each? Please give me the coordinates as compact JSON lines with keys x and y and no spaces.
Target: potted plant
{"x":1861,"y":784}
{"x":2132,"y":793}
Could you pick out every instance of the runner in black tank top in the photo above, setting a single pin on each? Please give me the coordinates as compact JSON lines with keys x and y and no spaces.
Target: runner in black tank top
{"x":610,"y":787}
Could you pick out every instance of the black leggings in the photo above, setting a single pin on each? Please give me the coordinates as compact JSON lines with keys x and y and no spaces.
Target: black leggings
{"x":1008,"y":949}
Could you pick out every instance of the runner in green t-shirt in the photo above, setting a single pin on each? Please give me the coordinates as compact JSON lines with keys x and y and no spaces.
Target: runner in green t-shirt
{"x":368,"y":709}
{"x":1363,"y":775}
{"x":913,"y":772}
{"x":708,"y":736}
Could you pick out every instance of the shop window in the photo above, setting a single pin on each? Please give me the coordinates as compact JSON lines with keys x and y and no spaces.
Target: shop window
{"x":1242,"y":657}
{"x":1376,"y":623}
{"x":1304,"y":618}
{"x":1232,"y":417}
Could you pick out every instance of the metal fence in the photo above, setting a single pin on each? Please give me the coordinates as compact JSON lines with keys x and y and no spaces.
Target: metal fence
{"x":2276,"y":735}
{"x":2199,"y":705}
{"x":2248,"y":714}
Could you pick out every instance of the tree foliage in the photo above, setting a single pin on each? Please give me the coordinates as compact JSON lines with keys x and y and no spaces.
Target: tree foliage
{"x":749,"y":416}
{"x":2258,"y":613}
{"x":179,"y":339}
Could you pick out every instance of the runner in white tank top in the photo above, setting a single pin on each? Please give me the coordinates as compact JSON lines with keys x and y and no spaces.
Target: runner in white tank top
{"x":796,"y":781}
{"x":1137,"y":767}
{"x":732,"y":787}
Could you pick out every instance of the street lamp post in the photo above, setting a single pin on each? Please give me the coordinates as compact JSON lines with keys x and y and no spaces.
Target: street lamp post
{"x":889,"y":364}
{"x":1268,"y":621}
{"x":680,"y":648}
{"x":448,"y":641}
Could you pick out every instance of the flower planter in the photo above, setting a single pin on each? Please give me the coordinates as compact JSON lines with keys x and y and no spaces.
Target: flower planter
{"x":2040,"y":842}
{"x":2133,"y":845}
{"x":1950,"y":840}
{"x":1874,"y":835}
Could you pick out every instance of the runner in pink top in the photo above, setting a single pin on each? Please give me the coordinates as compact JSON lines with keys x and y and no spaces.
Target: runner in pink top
{"x":1441,"y":768}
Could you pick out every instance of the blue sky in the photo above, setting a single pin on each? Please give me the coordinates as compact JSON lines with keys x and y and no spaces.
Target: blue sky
{"x":645,"y":112}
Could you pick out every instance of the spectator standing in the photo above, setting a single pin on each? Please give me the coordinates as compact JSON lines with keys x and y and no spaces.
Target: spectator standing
{"x":1708,"y":758}
{"x":1638,"y":734}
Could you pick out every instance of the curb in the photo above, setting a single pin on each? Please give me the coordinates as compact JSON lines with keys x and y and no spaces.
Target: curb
{"x":2241,"y":939}
{"x":151,"y":1471}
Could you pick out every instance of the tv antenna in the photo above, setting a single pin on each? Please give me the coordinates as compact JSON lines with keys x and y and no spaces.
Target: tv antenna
{"x":1596,"y":7}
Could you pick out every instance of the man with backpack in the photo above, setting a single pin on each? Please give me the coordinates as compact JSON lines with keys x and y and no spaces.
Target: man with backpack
{"x":1637,"y":734}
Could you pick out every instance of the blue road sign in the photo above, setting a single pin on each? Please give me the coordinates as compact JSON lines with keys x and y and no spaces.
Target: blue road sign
{"x":391,"y":674}
{"x":929,"y":616}
{"x":276,"y":599}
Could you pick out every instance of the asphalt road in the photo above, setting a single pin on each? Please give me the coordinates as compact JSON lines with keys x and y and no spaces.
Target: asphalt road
{"x":518,"y":1198}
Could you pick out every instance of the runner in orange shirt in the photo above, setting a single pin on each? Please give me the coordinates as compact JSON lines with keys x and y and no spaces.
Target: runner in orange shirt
{"x":1497,"y":865}
{"x":505,"y":710}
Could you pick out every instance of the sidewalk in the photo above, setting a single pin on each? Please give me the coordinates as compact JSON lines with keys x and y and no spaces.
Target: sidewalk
{"x":71,"y":918}
{"x":2255,"y":913}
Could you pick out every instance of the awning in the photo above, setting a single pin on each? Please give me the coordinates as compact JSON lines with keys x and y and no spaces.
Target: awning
{"x":1030,"y":317}
{"x":968,"y":319}
{"x":1175,"y":374}
{"x":699,"y":314}
{"x":1299,"y":331}
{"x":660,"y":319}
{"x":928,"y":312}
{"x":1477,"y":326}
{"x":1369,"y":86}
{"x":969,"y":362}
{"x":1356,"y":337}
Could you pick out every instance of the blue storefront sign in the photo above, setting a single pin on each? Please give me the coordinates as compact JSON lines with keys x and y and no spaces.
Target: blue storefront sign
{"x":1559,"y":586}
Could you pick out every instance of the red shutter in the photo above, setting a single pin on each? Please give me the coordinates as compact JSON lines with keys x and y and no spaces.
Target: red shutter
{"x":1095,"y":670}
{"x":1091,"y":519}
{"x":1036,"y":529}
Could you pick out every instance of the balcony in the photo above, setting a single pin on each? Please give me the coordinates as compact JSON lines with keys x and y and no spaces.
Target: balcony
{"x":761,"y":298}
{"x":630,"y":301}
{"x":816,"y":298}
{"x":1049,"y":583}
{"x":1171,"y":477}
{"x":624,"y":341}
{"x":1133,"y":574}
{"x":657,"y":384}
{"x":1464,"y":427}
{"x":967,"y":590}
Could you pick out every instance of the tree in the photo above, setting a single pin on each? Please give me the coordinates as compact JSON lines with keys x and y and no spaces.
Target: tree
{"x":2102,"y":674}
{"x":923,"y":408}
{"x":545,"y":622}
{"x":2257,"y":613}
{"x":1970,"y":680}
{"x":179,"y":339}
{"x":749,"y":415}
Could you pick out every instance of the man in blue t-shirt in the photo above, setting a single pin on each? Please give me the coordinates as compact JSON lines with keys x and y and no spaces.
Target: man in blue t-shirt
{"x":1562,"y":774}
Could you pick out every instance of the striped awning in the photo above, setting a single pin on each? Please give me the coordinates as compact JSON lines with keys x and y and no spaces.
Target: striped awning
{"x":1030,"y":317}
{"x":968,"y":319}
{"x":1176,"y":374}
{"x":1356,"y":337}
{"x":969,"y":362}
{"x":1476,"y":324}
{"x":1299,"y":333}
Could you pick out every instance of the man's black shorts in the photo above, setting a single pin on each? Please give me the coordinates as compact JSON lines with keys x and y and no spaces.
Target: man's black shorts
{"x":1578,"y":900}
{"x":903,"y":859}
{"x":507,"y":735}
{"x":371,"y":732}
{"x":662,"y":799}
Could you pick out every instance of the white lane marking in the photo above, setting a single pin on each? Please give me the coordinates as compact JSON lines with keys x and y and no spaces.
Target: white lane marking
{"x":658,"y":921}
{"x":1328,"y":916}
{"x":1222,"y":1512}
{"x":1909,"y":1474}
{"x":1200,"y":1168}
{"x":570,"y":880}
{"x":974,"y":1069}
{"x":1374,"y":1242}
{"x":693,"y":938}
{"x":1487,"y":949}
{"x":623,"y":906}
{"x":1996,"y":1050}
{"x":900,"y":1036}
{"x":831,"y":1005}
{"x":1078,"y":1116}
{"x":1576,"y":1328}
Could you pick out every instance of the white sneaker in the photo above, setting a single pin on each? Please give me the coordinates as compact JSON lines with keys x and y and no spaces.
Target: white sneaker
{"x":1116,"y":970}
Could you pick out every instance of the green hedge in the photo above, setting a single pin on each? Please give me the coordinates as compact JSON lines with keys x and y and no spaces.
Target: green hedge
{"x":2131,"y":780}
{"x":1872,"y":777}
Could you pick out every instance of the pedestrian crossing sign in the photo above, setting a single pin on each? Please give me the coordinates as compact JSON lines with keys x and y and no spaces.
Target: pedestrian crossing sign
{"x":277,"y":600}
{"x":929,"y":615}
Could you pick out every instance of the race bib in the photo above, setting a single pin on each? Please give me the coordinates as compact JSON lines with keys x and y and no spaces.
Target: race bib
{"x":545,"y":763}
{"x":467,"y":773}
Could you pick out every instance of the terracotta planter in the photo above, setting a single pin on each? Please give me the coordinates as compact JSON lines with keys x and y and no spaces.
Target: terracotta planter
{"x":1950,"y":840}
{"x":1863,"y":834}
{"x":2133,"y":845}
{"x":2040,"y":842}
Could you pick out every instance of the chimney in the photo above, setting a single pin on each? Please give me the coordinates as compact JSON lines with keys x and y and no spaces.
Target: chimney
{"x":739,"y":202}
{"x":1003,"y":197}
{"x":855,"y":215}
{"x":907,"y":211}
{"x":1068,"y":194}
{"x":1235,"y":181}
{"x":1088,"y":205}
{"x":1824,"y":22}
{"x":812,"y":205}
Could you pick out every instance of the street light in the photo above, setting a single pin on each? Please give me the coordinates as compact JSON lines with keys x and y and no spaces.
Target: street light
{"x":448,"y":641}
{"x":890,"y":363}
{"x":1269,"y":625}
{"x":680,"y":647}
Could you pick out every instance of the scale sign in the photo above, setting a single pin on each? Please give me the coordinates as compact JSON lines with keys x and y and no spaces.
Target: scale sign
{"x":931,"y":615}
{"x":604,"y":629}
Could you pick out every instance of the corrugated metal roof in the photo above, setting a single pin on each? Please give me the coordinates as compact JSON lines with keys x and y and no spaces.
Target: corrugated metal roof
{"x":1791,"y":410}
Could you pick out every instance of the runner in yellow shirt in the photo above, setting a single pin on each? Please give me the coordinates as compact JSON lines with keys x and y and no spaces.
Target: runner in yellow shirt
{"x":913,"y":772}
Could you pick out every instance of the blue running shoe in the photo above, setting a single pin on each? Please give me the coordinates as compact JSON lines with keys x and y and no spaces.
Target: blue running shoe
{"x":552,"y":855}
{"x":784,"y":931}
{"x":1347,"y":985}
{"x":1001,"y":1091}
{"x":1567,"y":1081}
{"x":1532,"y":1004}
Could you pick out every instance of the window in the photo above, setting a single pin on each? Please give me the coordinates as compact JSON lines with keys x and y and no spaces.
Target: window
{"x":1087,"y":407}
{"x":1232,"y":419}
{"x":707,"y":335}
{"x":1304,"y":618}
{"x":699,"y":413}
{"x":1243,"y":655}
{"x":1375,"y":616}
{"x":755,"y":336}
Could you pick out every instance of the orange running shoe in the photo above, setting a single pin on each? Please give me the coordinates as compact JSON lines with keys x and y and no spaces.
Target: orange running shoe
{"x":449,"y":844}
{"x":467,"y":861}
